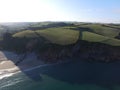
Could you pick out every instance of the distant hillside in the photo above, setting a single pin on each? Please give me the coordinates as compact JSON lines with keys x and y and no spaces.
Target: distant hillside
{"x":54,"y":35}
{"x":53,"y":41}
{"x":45,"y":25}
{"x":102,"y":29}
{"x":63,"y":35}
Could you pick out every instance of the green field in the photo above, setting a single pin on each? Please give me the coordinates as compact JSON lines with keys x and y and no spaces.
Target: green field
{"x":92,"y":37}
{"x":102,"y":30}
{"x":26,"y":33}
{"x":65,"y":35}
{"x":55,"y":35}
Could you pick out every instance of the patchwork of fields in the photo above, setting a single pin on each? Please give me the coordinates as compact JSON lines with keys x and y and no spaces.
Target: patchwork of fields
{"x":71,"y":34}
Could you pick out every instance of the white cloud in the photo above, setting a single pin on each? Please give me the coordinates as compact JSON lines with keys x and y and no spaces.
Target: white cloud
{"x":29,"y":10}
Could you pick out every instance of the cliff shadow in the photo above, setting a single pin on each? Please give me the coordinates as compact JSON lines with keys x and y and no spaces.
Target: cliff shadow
{"x":76,"y":71}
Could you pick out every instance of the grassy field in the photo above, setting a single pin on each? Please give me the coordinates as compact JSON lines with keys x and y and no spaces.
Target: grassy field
{"x":102,"y":30}
{"x":26,"y":33}
{"x":55,"y":35}
{"x":60,"y":36}
{"x":92,"y":37}
{"x":65,"y":35}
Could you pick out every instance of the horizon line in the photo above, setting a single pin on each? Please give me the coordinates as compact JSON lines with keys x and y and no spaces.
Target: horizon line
{"x":61,"y":21}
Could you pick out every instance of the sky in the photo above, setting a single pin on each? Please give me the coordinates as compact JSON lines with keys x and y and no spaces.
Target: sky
{"x":105,"y":11}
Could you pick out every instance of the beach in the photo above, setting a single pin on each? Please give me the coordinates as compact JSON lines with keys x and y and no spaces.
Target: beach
{"x":8,"y":60}
{"x":36,"y":75}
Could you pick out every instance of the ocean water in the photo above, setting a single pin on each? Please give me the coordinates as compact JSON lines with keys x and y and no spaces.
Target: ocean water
{"x":68,"y":76}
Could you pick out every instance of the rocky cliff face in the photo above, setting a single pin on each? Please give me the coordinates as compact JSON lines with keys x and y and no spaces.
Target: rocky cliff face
{"x":49,"y":52}
{"x":83,"y":50}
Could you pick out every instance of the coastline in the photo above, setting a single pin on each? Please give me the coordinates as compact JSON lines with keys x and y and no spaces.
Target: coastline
{"x":31,"y":62}
{"x":8,"y":67}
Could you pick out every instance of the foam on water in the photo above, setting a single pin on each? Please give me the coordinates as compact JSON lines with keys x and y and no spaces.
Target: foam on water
{"x":8,"y":72}
{"x":6,"y":75}
{"x":9,"y":83}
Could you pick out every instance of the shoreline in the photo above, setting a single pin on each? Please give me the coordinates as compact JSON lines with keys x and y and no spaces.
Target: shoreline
{"x":8,"y":67}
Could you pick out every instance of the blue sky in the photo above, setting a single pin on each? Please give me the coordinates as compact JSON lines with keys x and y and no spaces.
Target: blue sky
{"x":107,"y":11}
{"x":91,"y":10}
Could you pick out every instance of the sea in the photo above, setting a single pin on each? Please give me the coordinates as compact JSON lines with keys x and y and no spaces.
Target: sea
{"x":73,"y":75}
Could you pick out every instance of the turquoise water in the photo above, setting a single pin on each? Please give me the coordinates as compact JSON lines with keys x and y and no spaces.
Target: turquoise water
{"x":67,"y":76}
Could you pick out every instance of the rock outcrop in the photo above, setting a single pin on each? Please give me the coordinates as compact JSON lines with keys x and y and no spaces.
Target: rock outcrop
{"x":82,"y":50}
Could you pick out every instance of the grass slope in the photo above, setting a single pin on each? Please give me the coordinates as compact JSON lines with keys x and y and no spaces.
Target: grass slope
{"x":103,"y":30}
{"x":65,"y":36}
{"x":60,"y":36}
{"x":55,"y":35}
{"x":26,"y":33}
{"x":92,"y":37}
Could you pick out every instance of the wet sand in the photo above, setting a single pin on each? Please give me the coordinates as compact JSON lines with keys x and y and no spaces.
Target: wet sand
{"x":8,"y":59}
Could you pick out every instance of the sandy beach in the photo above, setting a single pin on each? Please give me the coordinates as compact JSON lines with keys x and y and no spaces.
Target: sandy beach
{"x":8,"y":59}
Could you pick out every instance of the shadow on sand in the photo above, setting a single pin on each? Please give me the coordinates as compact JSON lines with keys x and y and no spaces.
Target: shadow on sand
{"x":79,"y":72}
